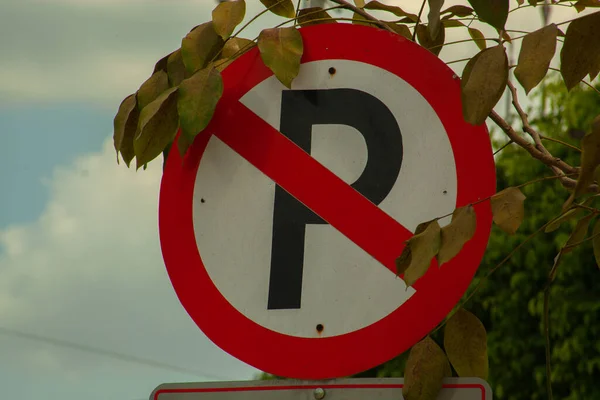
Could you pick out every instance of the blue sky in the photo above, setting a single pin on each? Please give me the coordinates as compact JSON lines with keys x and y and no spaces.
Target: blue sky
{"x":79,"y":250}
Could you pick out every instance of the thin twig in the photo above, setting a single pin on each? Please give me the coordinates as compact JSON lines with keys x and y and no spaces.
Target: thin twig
{"x":546,"y":319}
{"x":560,"y":142}
{"x":364,"y":14}
{"x":414,"y":35}
{"x":505,"y":145}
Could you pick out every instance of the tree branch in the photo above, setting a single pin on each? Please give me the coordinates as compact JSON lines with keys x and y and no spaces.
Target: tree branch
{"x":364,"y":14}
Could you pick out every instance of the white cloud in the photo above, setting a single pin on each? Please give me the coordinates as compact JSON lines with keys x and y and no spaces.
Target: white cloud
{"x":90,"y":271}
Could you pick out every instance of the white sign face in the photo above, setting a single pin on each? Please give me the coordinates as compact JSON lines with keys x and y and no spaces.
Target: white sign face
{"x":236,"y":207}
{"x":345,"y":389}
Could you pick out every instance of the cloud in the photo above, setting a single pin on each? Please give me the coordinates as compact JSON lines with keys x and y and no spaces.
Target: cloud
{"x":90,"y":271}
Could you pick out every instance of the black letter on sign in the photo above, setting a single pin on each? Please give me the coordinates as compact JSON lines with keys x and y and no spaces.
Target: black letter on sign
{"x":300,"y":110}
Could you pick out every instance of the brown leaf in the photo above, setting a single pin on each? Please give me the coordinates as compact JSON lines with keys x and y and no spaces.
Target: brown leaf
{"x":582,"y":4}
{"x":419,"y":251}
{"x":400,"y":29}
{"x":493,"y":12}
{"x":457,"y":233}
{"x":397,"y":11}
{"x":465,"y":342}
{"x":157,"y":127}
{"x":580,"y":54}
{"x":314,"y":16}
{"x":227,"y":15}
{"x":433,"y":45}
{"x":477,"y":37}
{"x":426,"y":367}
{"x":198,"y":98}
{"x":596,"y":242}
{"x":483,"y":82}
{"x":508,"y":209}
{"x":125,"y":126}
{"x":200,"y":46}
{"x":459,"y":11}
{"x":281,"y":50}
{"x":579,"y":233}
{"x":152,"y":88}
{"x":536,"y":53}
{"x":556,"y":222}
{"x":161,"y":65}
{"x":433,"y":18}
{"x":452,"y":23}
{"x":175,"y":68}
{"x":590,"y":160}
{"x":283,"y":8}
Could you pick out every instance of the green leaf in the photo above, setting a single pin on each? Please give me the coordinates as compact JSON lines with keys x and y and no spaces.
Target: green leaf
{"x":200,"y":46}
{"x":397,"y":11}
{"x":161,"y":65}
{"x":483,"y":82}
{"x":457,"y":233}
{"x":465,"y":342}
{"x":508,"y":209}
{"x":459,"y":11}
{"x":590,"y":160}
{"x":125,"y":126}
{"x":426,"y":367}
{"x":152,"y":88}
{"x":227,"y":15}
{"x":281,"y":50}
{"x":283,"y":8}
{"x":358,"y":19}
{"x":419,"y":251}
{"x":596,"y":242}
{"x":582,"y":4}
{"x":536,"y":53}
{"x":235,"y":47}
{"x":433,"y":45}
{"x":579,"y":233}
{"x":493,"y":12}
{"x":175,"y":68}
{"x":433,"y":18}
{"x":580,"y":54}
{"x":157,"y":127}
{"x":557,"y":222}
{"x":198,"y":98}
{"x":477,"y":37}
{"x":400,"y":29}
{"x":314,"y":16}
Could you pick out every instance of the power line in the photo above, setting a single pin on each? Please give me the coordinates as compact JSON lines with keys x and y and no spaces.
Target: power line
{"x":106,"y":353}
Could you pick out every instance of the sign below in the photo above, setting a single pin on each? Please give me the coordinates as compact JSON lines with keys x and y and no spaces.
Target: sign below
{"x":346,"y":389}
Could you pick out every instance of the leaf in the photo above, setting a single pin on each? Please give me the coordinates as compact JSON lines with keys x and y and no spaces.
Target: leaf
{"x":281,"y":50}
{"x":579,"y":233}
{"x":227,"y":15}
{"x":359,"y":3}
{"x":161,"y":65}
{"x":397,"y":11}
{"x":158,"y":126}
{"x":433,"y":17}
{"x":198,"y":98}
{"x":478,"y":38}
{"x":493,"y":12}
{"x":556,"y":222}
{"x":457,"y":233}
{"x":400,"y":29}
{"x":433,"y":45}
{"x":580,"y":54}
{"x":426,"y":367}
{"x":152,"y":88}
{"x":508,"y":209}
{"x":483,"y":82}
{"x":175,"y":68}
{"x":233,"y":48}
{"x":465,"y":342}
{"x":459,"y":11}
{"x":419,"y":251}
{"x":452,"y":23}
{"x":125,"y":126}
{"x":200,"y":46}
{"x":358,"y":19}
{"x":536,"y":53}
{"x":314,"y":16}
{"x":596,"y":242}
{"x":582,"y":4}
{"x":590,"y":159}
{"x":283,"y":8}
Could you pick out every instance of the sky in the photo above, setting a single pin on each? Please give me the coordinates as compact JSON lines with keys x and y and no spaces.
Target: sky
{"x":86,"y":308}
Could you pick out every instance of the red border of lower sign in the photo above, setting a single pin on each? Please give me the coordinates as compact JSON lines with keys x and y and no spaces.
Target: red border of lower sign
{"x":324,"y":386}
{"x":329,"y":357}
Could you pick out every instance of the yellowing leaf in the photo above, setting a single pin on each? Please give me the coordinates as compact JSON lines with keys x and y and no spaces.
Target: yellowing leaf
{"x":508,"y":209}
{"x":358,"y":19}
{"x":400,"y":29}
{"x":426,"y":367}
{"x":457,"y":233}
{"x":465,"y":342}
{"x":483,"y":82}
{"x":452,"y":23}
{"x":459,"y":11}
{"x":419,"y":251}
{"x":590,"y":159}
{"x":152,"y":88}
{"x":227,"y":15}
{"x":281,"y":50}
{"x":579,"y":233}
{"x":536,"y":53}
{"x":314,"y":16}
{"x":397,"y":11}
{"x":175,"y":68}
{"x":125,"y":126}
{"x":235,"y":47}
{"x":161,"y":65}
{"x":158,"y":126}
{"x":477,"y":37}
{"x":283,"y":8}
{"x":198,"y":98}
{"x":433,"y":45}
{"x":596,"y":242}
{"x":359,"y":3}
{"x":494,"y":12}
{"x":200,"y":46}
{"x":433,"y":17}
{"x":580,"y":54}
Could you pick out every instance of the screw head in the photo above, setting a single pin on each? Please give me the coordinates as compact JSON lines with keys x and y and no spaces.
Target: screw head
{"x":319,"y":393}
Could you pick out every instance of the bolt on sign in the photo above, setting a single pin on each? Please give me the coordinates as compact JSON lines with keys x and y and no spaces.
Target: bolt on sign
{"x":281,"y":227}
{"x":344,"y":389}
